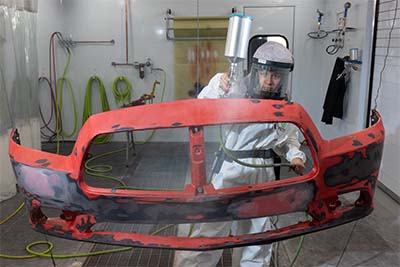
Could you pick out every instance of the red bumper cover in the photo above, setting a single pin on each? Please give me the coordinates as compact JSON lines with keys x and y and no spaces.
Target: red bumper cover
{"x":346,"y":164}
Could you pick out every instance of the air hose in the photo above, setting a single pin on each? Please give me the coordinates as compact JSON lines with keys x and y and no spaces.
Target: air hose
{"x":332,"y":49}
{"x":87,"y":108}
{"x":275,"y":250}
{"x":46,"y":124}
{"x":299,"y":247}
{"x":58,"y":95}
{"x":47,"y":252}
{"x":124,"y":96}
{"x":100,"y":170}
{"x":235,"y":159}
{"x":60,"y":84}
{"x":12,"y":214}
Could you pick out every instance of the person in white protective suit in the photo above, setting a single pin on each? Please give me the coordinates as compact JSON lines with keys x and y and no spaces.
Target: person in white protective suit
{"x":268,"y":79}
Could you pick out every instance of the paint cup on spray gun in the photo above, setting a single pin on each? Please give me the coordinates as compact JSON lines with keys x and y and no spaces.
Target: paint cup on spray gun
{"x":236,"y":44}
{"x":354,"y":54}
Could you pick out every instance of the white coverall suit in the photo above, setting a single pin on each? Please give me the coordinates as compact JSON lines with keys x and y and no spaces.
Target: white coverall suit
{"x":283,"y":139}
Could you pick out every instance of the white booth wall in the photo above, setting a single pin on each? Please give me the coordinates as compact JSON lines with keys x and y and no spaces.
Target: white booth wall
{"x":104,"y":20}
{"x":389,"y":92}
{"x":356,"y":97}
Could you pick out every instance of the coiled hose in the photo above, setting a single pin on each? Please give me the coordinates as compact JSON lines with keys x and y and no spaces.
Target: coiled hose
{"x":87,"y":108}
{"x":124,"y":96}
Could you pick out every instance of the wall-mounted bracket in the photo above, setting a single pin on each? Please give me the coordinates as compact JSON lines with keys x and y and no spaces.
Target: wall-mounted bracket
{"x":195,"y":28}
{"x":137,"y":65}
{"x":70,"y":43}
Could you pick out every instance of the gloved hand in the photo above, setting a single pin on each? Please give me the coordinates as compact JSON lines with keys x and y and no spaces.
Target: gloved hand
{"x":224,"y":83}
{"x":298,"y":165}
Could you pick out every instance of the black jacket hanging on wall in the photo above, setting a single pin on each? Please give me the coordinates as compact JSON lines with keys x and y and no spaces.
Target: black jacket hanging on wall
{"x":333,"y":104}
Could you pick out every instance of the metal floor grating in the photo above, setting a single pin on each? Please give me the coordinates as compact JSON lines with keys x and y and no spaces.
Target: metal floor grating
{"x":141,"y":257}
{"x":154,"y":165}
{"x":136,"y":256}
{"x":161,"y":165}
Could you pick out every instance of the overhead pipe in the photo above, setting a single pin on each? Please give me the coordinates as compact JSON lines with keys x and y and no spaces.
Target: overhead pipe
{"x":126,"y":31}
{"x":94,"y":42}
{"x":115,"y":64}
{"x":136,"y":65}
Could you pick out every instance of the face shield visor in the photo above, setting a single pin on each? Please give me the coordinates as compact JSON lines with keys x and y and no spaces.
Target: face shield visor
{"x":269,"y":80}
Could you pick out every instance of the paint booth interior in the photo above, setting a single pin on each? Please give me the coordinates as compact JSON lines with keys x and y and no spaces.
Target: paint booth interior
{"x":71,"y":71}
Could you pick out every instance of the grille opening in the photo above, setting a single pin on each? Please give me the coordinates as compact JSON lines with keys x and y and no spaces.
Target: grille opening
{"x":128,"y":162}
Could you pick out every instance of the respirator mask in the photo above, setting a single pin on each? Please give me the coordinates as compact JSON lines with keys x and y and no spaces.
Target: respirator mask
{"x":269,"y":80}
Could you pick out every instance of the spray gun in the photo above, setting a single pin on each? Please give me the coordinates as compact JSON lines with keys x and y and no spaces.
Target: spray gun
{"x":319,"y":34}
{"x":347,"y":5}
{"x":236,"y":42}
{"x":340,"y":32}
{"x":320,"y":15}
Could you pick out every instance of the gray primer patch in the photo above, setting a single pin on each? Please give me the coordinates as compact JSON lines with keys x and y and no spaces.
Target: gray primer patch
{"x":277,"y":106}
{"x":356,"y":167}
{"x":356,"y":143}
